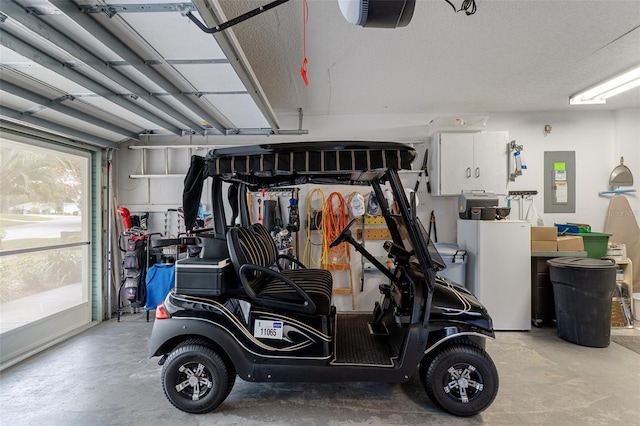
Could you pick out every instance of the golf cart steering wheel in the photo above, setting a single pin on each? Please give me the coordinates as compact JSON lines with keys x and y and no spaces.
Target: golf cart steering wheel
{"x":345,"y":235}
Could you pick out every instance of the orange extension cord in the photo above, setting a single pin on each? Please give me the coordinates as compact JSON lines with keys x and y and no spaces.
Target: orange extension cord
{"x":334,"y":220}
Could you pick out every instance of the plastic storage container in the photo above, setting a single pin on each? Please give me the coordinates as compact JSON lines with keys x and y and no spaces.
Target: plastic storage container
{"x":202,"y":277}
{"x":574,"y":228}
{"x":595,"y":243}
{"x":582,"y":291}
{"x":456,"y":261}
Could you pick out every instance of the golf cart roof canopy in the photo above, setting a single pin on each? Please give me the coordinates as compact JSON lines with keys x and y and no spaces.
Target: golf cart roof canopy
{"x":346,"y":162}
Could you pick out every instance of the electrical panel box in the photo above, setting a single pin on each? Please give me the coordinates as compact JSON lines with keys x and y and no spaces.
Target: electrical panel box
{"x":559,"y":182}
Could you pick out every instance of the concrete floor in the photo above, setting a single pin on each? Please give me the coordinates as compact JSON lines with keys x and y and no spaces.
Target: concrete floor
{"x":103,"y":377}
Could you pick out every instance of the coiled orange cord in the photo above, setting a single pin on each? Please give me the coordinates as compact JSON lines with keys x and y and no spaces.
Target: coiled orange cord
{"x":334,"y":220}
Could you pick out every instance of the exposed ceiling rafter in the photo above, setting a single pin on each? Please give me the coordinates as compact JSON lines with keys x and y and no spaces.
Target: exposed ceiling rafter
{"x":172,"y":62}
{"x":142,"y":66}
{"x":138,"y":71}
{"x":44,"y":30}
{"x":58,"y":128}
{"x":14,"y":43}
{"x":112,"y":9}
{"x":56,"y":105}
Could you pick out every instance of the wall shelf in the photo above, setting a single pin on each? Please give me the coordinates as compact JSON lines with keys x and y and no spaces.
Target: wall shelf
{"x":167,"y":172}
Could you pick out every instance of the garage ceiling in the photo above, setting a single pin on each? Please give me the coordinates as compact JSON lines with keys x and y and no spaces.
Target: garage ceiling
{"x":109,"y":71}
{"x":509,"y":56}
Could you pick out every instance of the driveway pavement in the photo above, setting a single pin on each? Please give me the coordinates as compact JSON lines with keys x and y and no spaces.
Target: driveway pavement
{"x":45,"y":229}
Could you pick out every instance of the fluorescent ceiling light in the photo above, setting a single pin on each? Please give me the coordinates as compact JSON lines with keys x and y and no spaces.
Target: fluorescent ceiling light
{"x":614,"y":86}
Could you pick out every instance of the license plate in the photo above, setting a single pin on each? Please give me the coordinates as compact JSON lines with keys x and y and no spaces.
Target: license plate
{"x":268,"y":329}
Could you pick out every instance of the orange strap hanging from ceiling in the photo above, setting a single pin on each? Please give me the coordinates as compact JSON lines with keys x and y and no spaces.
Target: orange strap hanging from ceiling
{"x":305,"y":19}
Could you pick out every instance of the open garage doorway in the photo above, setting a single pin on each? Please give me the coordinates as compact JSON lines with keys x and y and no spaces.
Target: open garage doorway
{"x":45,"y":251}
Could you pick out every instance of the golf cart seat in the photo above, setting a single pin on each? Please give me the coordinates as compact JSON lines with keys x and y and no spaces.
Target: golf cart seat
{"x":254,"y":255}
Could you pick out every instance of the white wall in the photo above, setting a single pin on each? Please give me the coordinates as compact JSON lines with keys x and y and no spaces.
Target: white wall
{"x":599,"y":138}
{"x":627,"y":145}
{"x":157,"y":195}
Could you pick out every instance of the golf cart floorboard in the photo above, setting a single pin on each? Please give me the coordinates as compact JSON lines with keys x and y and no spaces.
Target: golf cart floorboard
{"x":356,"y":345}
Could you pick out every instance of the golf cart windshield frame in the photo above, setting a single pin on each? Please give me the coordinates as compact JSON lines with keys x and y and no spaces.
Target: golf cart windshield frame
{"x":256,"y":167}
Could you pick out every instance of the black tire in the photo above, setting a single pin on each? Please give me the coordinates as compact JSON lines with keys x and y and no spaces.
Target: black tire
{"x":462,"y":379}
{"x":230,"y":367}
{"x":195,"y":379}
{"x":426,"y":361}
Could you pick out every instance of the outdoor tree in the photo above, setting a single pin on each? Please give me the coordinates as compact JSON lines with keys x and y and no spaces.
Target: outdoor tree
{"x":37,"y":177}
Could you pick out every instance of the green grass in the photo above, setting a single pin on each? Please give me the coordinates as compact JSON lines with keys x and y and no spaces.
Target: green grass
{"x":32,"y":273}
{"x":7,"y":219}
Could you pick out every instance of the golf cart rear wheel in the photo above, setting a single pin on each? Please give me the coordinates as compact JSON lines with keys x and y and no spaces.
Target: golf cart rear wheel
{"x":462,"y":380}
{"x":196,"y":379}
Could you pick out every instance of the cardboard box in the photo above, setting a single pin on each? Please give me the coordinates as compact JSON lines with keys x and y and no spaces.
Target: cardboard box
{"x":570,"y":243}
{"x":544,"y":246}
{"x":544,"y":233}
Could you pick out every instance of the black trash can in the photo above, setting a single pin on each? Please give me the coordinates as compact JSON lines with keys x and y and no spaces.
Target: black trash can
{"x":582,"y":290}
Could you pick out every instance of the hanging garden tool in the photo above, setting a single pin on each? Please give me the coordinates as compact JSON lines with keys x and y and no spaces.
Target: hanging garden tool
{"x":294,"y":214}
{"x":425,"y":163}
{"x":432,"y":226}
{"x":277,"y":217}
{"x":294,"y":217}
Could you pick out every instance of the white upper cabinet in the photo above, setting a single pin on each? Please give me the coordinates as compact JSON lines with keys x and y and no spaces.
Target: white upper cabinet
{"x":468,"y":161}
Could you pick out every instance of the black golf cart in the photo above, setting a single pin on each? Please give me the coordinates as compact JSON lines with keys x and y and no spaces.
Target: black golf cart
{"x":235,"y":311}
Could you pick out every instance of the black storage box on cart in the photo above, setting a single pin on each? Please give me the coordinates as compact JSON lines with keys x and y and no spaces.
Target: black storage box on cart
{"x":202,"y":277}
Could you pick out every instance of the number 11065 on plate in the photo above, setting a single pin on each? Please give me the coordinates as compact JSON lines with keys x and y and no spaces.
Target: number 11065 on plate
{"x":268,"y":329}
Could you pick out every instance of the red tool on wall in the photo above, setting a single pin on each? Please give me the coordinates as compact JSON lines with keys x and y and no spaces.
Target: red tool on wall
{"x":126,"y":217}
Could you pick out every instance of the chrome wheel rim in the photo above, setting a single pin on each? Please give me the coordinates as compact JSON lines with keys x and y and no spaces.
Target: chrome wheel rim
{"x":194,"y":380}
{"x":463,"y":382}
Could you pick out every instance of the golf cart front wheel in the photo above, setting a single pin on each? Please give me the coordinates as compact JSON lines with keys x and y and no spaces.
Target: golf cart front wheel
{"x":196,"y":379}
{"x":462,"y":379}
